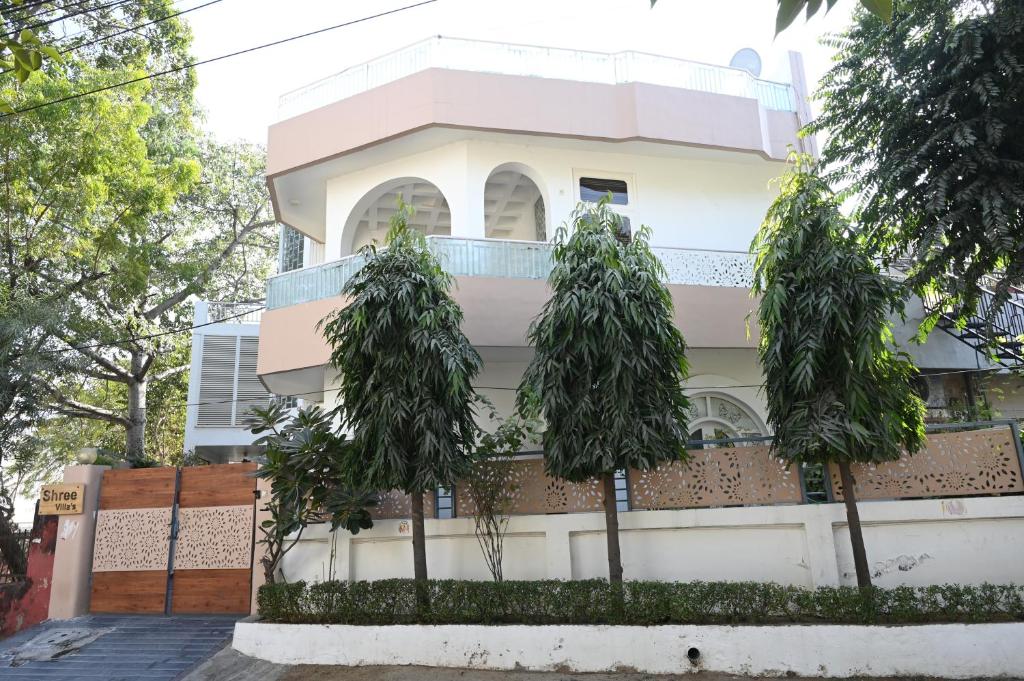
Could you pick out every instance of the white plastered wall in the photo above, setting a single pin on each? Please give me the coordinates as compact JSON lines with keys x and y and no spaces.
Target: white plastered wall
{"x":688,"y":202}
{"x":968,"y":541}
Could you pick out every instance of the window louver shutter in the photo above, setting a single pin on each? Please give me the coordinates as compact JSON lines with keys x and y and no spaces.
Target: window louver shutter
{"x":251,"y":392}
{"x":217,"y":381}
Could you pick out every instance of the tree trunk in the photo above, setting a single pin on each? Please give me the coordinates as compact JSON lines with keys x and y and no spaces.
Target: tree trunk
{"x":860,"y":556}
{"x":419,"y":550}
{"x":611,"y":521}
{"x":137,"y":384}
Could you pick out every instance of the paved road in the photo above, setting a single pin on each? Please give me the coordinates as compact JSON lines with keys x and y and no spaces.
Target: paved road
{"x":126,"y":648}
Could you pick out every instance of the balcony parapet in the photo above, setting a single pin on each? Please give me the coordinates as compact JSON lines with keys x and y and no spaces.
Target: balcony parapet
{"x":542,"y":62}
{"x":507,"y":259}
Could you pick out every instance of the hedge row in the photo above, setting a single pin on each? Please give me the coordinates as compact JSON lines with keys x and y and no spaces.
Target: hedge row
{"x":393,"y":601}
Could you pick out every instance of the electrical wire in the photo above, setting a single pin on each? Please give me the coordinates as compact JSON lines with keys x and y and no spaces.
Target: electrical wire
{"x":701,"y":388}
{"x":201,"y":62}
{"x":69,"y":16}
{"x":122,"y":341}
{"x":129,"y":29}
{"x":28,"y":16}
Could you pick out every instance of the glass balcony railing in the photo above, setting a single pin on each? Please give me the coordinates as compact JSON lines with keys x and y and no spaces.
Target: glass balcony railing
{"x":541,"y":62}
{"x":508,"y":260}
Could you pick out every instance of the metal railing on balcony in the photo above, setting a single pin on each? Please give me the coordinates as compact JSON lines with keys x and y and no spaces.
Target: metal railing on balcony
{"x":507,"y":259}
{"x":543,"y":62}
{"x":234,"y":313}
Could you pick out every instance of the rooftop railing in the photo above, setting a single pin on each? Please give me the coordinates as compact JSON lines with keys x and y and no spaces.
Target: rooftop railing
{"x":542,"y":62}
{"x":507,"y":259}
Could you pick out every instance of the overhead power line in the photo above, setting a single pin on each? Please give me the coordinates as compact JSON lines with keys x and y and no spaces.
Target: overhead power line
{"x":69,"y":15}
{"x":691,"y":389}
{"x":28,"y":16}
{"x":131,"y":29}
{"x":191,"y":65}
{"x":123,"y":341}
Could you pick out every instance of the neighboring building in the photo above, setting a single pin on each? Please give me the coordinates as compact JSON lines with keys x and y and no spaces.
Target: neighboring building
{"x":494,"y":145}
{"x":223,"y":385}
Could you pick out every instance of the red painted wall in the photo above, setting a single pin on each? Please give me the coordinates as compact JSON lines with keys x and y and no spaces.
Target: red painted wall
{"x":26,"y":603}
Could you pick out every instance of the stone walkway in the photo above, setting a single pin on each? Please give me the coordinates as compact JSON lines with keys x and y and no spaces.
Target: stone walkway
{"x":113,"y":648}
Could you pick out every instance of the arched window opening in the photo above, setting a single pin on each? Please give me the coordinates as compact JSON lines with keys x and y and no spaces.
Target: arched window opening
{"x":714,"y":416}
{"x":513,"y":206}
{"x":370,"y":219}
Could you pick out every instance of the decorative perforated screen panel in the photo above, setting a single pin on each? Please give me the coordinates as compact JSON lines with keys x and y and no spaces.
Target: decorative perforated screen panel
{"x":950,"y":464}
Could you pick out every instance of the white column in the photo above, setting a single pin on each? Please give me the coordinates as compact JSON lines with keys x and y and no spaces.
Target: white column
{"x":821,"y":546}
{"x":464,"y":189}
{"x":557,"y":551}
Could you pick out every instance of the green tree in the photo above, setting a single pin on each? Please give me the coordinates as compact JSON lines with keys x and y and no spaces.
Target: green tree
{"x":218,"y":235}
{"x":609,"y":361}
{"x":22,"y":53}
{"x":78,"y":180}
{"x":924,"y":120}
{"x":837,"y":388}
{"x":789,"y":10}
{"x":306,"y":462}
{"x":405,"y":371}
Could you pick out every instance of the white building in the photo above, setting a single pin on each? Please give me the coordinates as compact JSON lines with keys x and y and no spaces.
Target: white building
{"x":494,"y":145}
{"x":223,"y":385}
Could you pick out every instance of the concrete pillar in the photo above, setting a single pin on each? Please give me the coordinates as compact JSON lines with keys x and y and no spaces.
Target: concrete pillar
{"x":72,"y":566}
{"x":464,"y":190}
{"x":557,"y":551}
{"x":821,"y":546}
{"x":259,"y":550}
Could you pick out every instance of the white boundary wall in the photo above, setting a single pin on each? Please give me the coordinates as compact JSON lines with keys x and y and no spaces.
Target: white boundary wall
{"x":944,"y":650}
{"x":967,"y":541}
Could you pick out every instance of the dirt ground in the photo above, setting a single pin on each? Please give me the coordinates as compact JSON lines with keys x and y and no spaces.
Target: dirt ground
{"x":317,"y":673}
{"x":229,"y":665}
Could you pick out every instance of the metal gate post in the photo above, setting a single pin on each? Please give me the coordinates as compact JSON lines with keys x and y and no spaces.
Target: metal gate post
{"x":173,"y":542}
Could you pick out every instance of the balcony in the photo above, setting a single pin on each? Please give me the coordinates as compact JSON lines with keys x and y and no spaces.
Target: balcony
{"x":497,"y":258}
{"x":542,"y":62}
{"x":501,"y":286}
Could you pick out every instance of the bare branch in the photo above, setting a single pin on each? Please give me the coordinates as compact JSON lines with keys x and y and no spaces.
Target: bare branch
{"x":101,"y":360}
{"x":167,"y":373}
{"x":212,"y":267}
{"x":69,"y":407}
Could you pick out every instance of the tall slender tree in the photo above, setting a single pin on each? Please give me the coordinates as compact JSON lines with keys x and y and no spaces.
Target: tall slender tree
{"x":609,"y":361}
{"x":838,"y":390}
{"x":405,"y":371}
{"x":924,"y":119}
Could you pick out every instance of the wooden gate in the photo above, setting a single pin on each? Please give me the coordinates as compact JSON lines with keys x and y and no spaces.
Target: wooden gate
{"x":170,"y":540}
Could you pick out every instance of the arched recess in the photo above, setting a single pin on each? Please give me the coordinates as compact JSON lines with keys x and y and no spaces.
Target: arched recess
{"x":514,"y":204}
{"x":369,"y":219}
{"x":716,"y":415}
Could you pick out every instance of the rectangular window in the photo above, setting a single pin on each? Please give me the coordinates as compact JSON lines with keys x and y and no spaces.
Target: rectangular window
{"x":621,"y":491}
{"x":444,"y":502}
{"x":292,"y":247}
{"x":593,"y":189}
{"x":286,"y":401}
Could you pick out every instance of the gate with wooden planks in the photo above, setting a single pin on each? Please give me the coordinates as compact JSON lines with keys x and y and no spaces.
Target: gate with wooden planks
{"x":174,"y":540}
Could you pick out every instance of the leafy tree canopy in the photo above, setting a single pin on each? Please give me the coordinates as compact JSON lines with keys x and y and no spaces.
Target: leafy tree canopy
{"x":404,"y":366}
{"x":789,"y":10}
{"x":925,"y":121}
{"x":837,"y":389}
{"x":609,"y":362}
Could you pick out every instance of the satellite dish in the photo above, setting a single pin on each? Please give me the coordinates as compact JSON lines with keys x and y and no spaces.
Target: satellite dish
{"x":748,"y":60}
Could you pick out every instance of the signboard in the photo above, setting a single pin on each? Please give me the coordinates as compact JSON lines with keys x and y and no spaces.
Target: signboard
{"x":64,"y":499}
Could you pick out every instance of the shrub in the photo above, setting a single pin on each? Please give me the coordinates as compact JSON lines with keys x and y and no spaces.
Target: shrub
{"x":393,"y":601}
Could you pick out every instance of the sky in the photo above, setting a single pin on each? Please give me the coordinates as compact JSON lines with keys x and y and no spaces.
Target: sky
{"x":240,"y":94}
